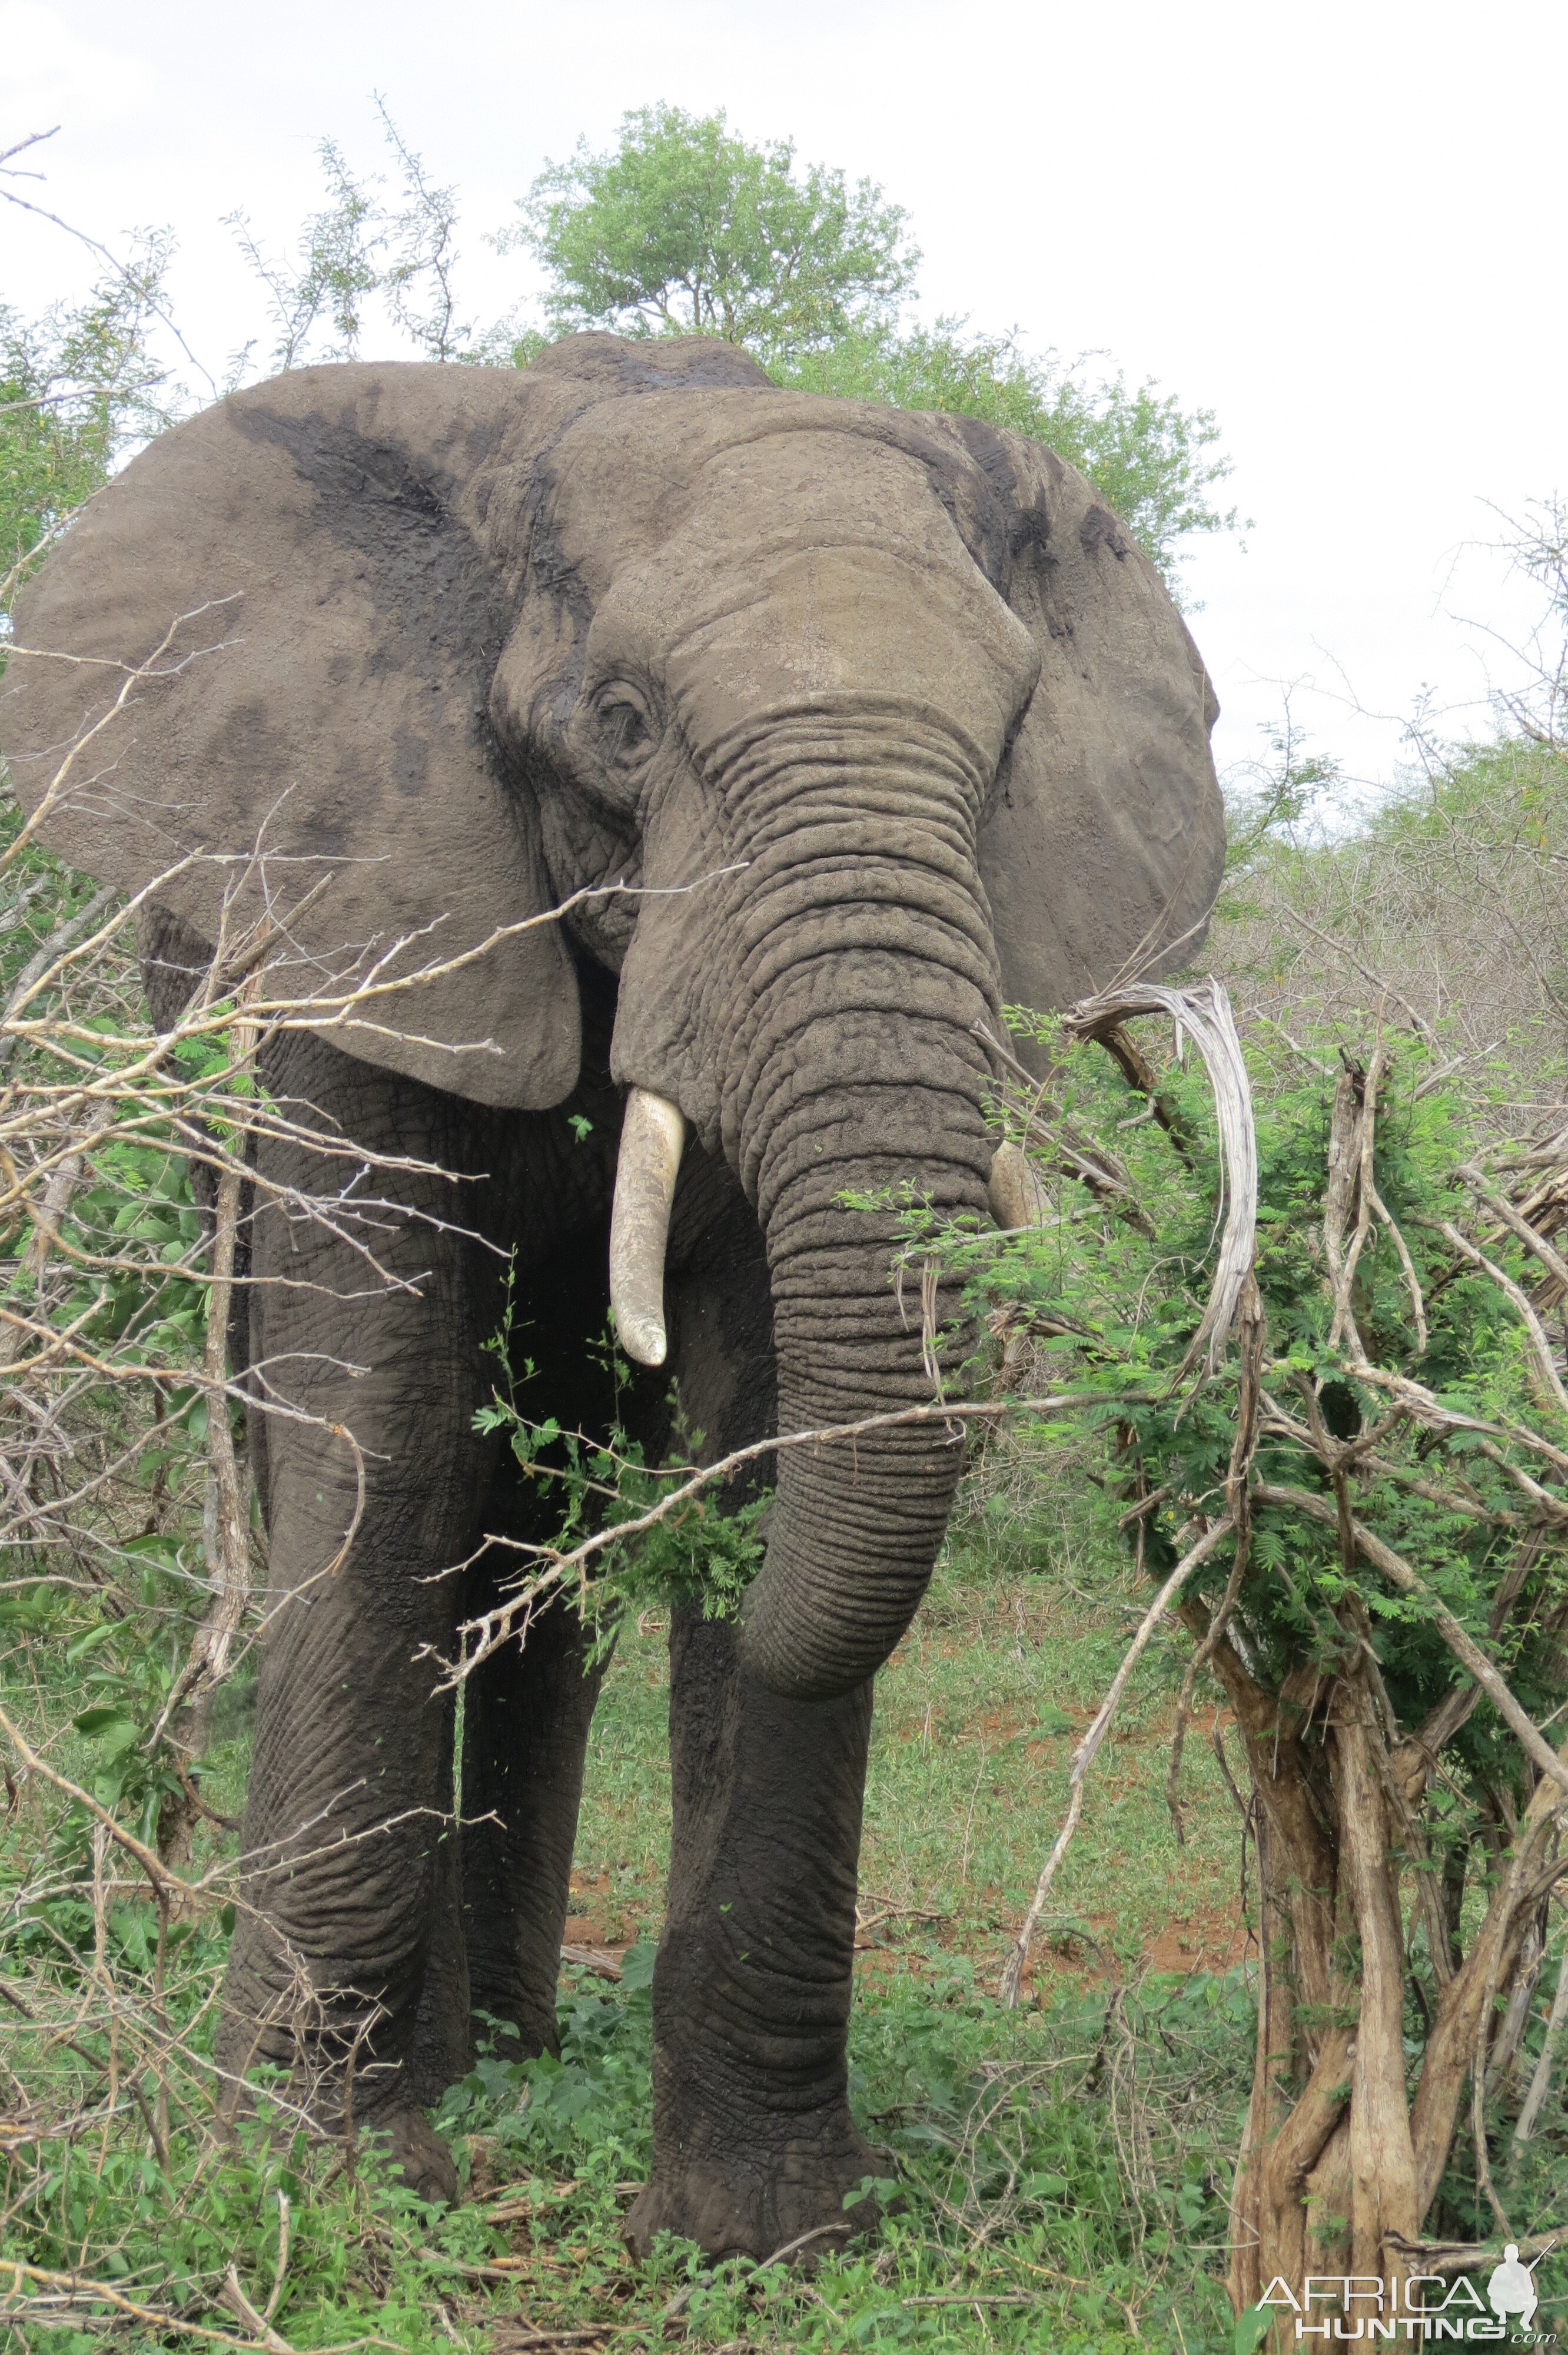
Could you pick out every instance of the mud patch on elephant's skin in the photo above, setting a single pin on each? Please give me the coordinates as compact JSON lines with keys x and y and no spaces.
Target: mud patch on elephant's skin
{"x":1099,"y":529}
{"x":429,"y":580}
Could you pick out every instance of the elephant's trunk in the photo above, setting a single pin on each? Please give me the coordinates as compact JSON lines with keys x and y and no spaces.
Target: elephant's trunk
{"x":869,"y":960}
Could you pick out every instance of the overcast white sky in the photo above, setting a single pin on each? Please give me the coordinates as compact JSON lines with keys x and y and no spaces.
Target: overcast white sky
{"x":1339,"y":227}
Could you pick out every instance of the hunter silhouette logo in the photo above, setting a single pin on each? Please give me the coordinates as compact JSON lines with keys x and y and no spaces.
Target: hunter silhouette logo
{"x":1511,"y":2290}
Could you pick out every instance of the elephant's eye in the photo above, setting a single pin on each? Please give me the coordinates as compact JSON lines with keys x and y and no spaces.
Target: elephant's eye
{"x":625,"y":727}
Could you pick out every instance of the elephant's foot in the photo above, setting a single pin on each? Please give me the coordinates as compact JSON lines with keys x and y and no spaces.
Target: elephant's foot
{"x":419,"y":2152}
{"x":402,"y":2132}
{"x":767,"y":2197}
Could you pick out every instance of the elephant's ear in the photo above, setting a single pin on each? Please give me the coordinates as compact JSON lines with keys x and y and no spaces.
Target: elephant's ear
{"x":302,"y":571}
{"x":1103,"y":843}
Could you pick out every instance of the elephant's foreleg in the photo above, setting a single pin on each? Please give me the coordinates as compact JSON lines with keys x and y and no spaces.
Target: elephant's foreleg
{"x":348,"y":1835}
{"x":753,"y":2146}
{"x":348,"y":1829}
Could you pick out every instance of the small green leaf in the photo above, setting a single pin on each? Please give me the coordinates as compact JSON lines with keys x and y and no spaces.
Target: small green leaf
{"x":89,"y":1642}
{"x":93,"y":1721}
{"x":637,"y":1967}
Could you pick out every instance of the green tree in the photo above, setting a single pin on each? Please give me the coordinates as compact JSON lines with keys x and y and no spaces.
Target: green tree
{"x":1356,"y":1513}
{"x":685,"y":229}
{"x":77,"y":385}
{"x":340,"y":250}
{"x":356,"y":248}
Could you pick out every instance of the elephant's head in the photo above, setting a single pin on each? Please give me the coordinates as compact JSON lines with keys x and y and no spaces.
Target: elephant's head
{"x":883,"y":714}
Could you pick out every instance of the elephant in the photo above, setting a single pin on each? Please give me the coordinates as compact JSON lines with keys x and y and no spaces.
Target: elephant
{"x":833,"y":729}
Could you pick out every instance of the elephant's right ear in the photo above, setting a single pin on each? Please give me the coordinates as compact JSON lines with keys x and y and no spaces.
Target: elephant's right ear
{"x":300,"y":577}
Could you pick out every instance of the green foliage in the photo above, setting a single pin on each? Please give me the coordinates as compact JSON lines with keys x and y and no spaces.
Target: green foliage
{"x":686,"y":228}
{"x":1441,"y":902}
{"x":1279,"y":802}
{"x":77,"y":385}
{"x":338,"y":251}
{"x":1113,"y":1294}
{"x":1151,"y":460}
{"x":103,"y":1564}
{"x":986,"y":2119}
{"x":1002,"y":2175}
{"x":367,"y":2262}
{"x":706,"y":1550}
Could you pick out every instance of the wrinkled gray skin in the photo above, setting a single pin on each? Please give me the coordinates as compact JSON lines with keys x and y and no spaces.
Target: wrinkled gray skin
{"x":921,"y":731}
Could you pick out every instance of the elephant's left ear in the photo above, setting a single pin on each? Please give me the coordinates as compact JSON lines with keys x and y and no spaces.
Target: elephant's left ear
{"x":294,"y":599}
{"x":1103,"y":844}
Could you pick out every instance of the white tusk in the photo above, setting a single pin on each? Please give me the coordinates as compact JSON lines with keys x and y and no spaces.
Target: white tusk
{"x":1016,"y":1197}
{"x":652,"y":1133}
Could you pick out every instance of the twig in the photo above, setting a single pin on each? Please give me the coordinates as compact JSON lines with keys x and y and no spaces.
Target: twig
{"x":1412,"y":1282}
{"x":1253,"y":1327}
{"x":1467,"y":2256}
{"x":166,"y":1884}
{"x":1084,"y":1756}
{"x":281,"y":2269}
{"x":138,"y":286}
{"x":495,"y":1627}
{"x":591,"y":1958}
{"x":209,"y":1660}
{"x":1359,"y":1174}
{"x":1539,"y":1343}
{"x":82,"y":2290}
{"x":1550,"y":1258}
{"x":1540,"y":2081}
{"x":259,"y":2324}
{"x":33,"y":972}
{"x":1422,"y":1027}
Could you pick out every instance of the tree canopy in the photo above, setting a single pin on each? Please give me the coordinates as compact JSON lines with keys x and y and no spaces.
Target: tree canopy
{"x":681,"y":228}
{"x":685,"y":229}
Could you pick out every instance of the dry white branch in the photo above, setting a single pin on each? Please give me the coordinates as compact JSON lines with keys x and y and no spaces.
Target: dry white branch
{"x":1532,"y":1239}
{"x":1540,"y":2081}
{"x":70,"y":2297}
{"x":1203,"y":1015}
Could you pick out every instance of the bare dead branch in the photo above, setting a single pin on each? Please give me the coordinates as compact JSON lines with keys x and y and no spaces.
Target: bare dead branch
{"x":1085,"y":1755}
{"x":1203,"y":1015}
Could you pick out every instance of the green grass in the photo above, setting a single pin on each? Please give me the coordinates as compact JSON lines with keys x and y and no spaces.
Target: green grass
{"x":1056,"y":2175}
{"x":1009,"y":2139}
